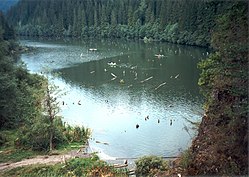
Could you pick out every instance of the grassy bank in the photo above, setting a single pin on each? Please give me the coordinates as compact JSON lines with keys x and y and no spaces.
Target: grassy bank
{"x":91,"y":166}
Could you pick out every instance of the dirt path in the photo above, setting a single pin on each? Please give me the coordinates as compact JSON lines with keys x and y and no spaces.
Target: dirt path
{"x":45,"y":159}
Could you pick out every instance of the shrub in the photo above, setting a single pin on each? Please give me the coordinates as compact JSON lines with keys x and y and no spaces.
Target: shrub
{"x":185,"y":159}
{"x":35,"y":136}
{"x":77,"y":134}
{"x":75,"y":167}
{"x":150,"y":165}
{"x":2,"y":139}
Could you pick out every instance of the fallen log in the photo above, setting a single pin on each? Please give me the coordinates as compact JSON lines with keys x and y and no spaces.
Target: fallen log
{"x":146,"y":79}
{"x":177,"y":76}
{"x":162,"y":84}
{"x":99,"y":142}
{"x":113,"y":75}
{"x":120,"y":165}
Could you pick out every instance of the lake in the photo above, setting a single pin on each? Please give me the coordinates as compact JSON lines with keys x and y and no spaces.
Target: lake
{"x":136,"y":97}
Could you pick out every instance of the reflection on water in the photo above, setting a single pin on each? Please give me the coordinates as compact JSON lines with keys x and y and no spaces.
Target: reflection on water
{"x":123,"y":84}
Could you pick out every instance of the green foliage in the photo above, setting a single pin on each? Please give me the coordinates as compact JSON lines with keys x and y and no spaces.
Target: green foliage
{"x":19,"y":89}
{"x":150,"y":165}
{"x":15,"y":155}
{"x":2,"y":139}
{"x":22,"y":105}
{"x":224,"y":82}
{"x":76,"y":167}
{"x":186,"y":22}
{"x":77,"y":134}
{"x":220,"y":70}
{"x":28,"y":103}
{"x":19,"y":98}
{"x":185,"y":159}
{"x":36,"y":137}
{"x":8,"y":152}
{"x":9,"y":87}
{"x":32,"y":171}
{"x":6,"y":32}
{"x":211,"y":68}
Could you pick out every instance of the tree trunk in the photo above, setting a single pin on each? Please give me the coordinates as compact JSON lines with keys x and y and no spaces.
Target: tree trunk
{"x":51,"y":140}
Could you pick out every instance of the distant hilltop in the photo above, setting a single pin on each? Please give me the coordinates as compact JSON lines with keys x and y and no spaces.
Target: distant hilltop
{"x":6,"y":4}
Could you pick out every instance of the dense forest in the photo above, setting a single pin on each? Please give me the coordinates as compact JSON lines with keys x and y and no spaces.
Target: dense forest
{"x":11,"y":79}
{"x":184,"y":22}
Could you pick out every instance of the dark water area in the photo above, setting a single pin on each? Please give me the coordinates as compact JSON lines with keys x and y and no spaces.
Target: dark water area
{"x":135,"y":96}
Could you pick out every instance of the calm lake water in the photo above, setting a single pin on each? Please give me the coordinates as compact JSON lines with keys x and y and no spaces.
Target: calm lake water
{"x":123,"y":84}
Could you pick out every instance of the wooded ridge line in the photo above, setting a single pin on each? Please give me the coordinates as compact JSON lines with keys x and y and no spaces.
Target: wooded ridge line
{"x":185,"y":22}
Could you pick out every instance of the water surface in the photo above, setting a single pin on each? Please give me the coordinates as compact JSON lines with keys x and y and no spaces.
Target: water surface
{"x":138,"y":88}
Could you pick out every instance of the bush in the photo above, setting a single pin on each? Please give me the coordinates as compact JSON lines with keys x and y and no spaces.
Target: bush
{"x":3,"y":139}
{"x":77,"y":134}
{"x":150,"y":165}
{"x":75,"y":167}
{"x":35,"y":136}
{"x":92,"y":166}
{"x":185,"y":159}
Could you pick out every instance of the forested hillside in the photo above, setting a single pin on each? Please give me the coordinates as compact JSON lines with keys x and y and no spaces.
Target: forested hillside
{"x":221,"y":146}
{"x":17,"y":98}
{"x":6,"y":32}
{"x":184,"y":22}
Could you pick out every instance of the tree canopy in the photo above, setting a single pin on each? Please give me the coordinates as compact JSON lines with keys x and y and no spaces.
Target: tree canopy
{"x":184,"y":22}
{"x":17,"y":85}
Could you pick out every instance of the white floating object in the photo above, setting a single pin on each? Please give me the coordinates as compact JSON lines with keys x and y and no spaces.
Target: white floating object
{"x":113,"y":75}
{"x":159,"y":55}
{"x":146,"y":79}
{"x":122,"y":81}
{"x":112,"y":64}
{"x":160,"y":85}
{"x":92,"y":49}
